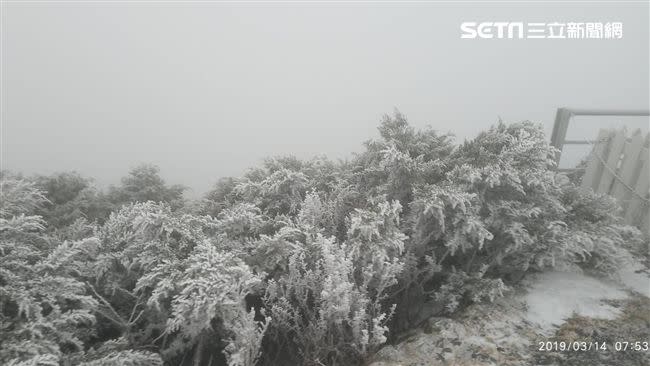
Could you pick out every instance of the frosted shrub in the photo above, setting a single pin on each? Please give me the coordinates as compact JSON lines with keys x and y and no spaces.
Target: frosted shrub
{"x":140,"y":236}
{"x":244,"y":348}
{"x":270,"y":254}
{"x":189,"y":293}
{"x":500,"y":211}
{"x":19,"y":196}
{"x":241,"y":220}
{"x":211,"y":290}
{"x":321,"y":311}
{"x":47,"y":316}
{"x":297,"y":262}
{"x":279,"y":192}
{"x":376,"y":245}
{"x":402,"y":158}
{"x":596,"y":238}
{"x":312,"y":212}
{"x":45,"y":312}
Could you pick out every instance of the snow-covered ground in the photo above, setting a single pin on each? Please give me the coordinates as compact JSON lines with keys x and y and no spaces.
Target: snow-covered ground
{"x":555,"y":296}
{"x":502,"y":333}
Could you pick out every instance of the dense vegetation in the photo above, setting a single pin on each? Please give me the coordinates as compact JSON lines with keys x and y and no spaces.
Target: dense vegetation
{"x":297,"y":262}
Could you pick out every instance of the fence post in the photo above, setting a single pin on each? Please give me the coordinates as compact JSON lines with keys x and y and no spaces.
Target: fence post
{"x":616,"y":145}
{"x":637,"y":210}
{"x":559,"y":131}
{"x":629,"y":166}
{"x":594,"y":166}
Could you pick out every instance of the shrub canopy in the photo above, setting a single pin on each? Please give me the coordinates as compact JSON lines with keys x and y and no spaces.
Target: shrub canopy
{"x":297,"y":262}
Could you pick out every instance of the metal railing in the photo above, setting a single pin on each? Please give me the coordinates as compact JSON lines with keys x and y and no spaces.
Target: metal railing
{"x":564,"y":115}
{"x":618,"y":164}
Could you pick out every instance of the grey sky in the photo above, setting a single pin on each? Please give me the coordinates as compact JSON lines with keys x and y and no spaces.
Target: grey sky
{"x":208,"y":90}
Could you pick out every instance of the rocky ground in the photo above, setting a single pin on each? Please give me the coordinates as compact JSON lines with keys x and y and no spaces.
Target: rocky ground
{"x":555,"y":306}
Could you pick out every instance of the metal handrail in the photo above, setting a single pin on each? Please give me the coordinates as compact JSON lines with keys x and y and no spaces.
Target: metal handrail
{"x":564,"y":115}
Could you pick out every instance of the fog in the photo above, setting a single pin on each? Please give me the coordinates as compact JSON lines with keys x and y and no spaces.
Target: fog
{"x":206,"y":90}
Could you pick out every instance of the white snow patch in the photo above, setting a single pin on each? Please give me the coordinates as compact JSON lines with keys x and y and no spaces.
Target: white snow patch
{"x":555,"y":296}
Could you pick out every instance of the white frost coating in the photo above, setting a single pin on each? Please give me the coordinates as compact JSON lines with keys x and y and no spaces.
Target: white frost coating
{"x":555,"y":296}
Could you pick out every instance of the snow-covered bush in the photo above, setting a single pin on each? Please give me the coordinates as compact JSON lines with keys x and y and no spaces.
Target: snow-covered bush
{"x":188,"y":292}
{"x":45,"y":311}
{"x":501,"y":211}
{"x":321,"y":313}
{"x":208,"y":302}
{"x":311,"y":262}
{"x":47,"y":315}
{"x":143,"y":184}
